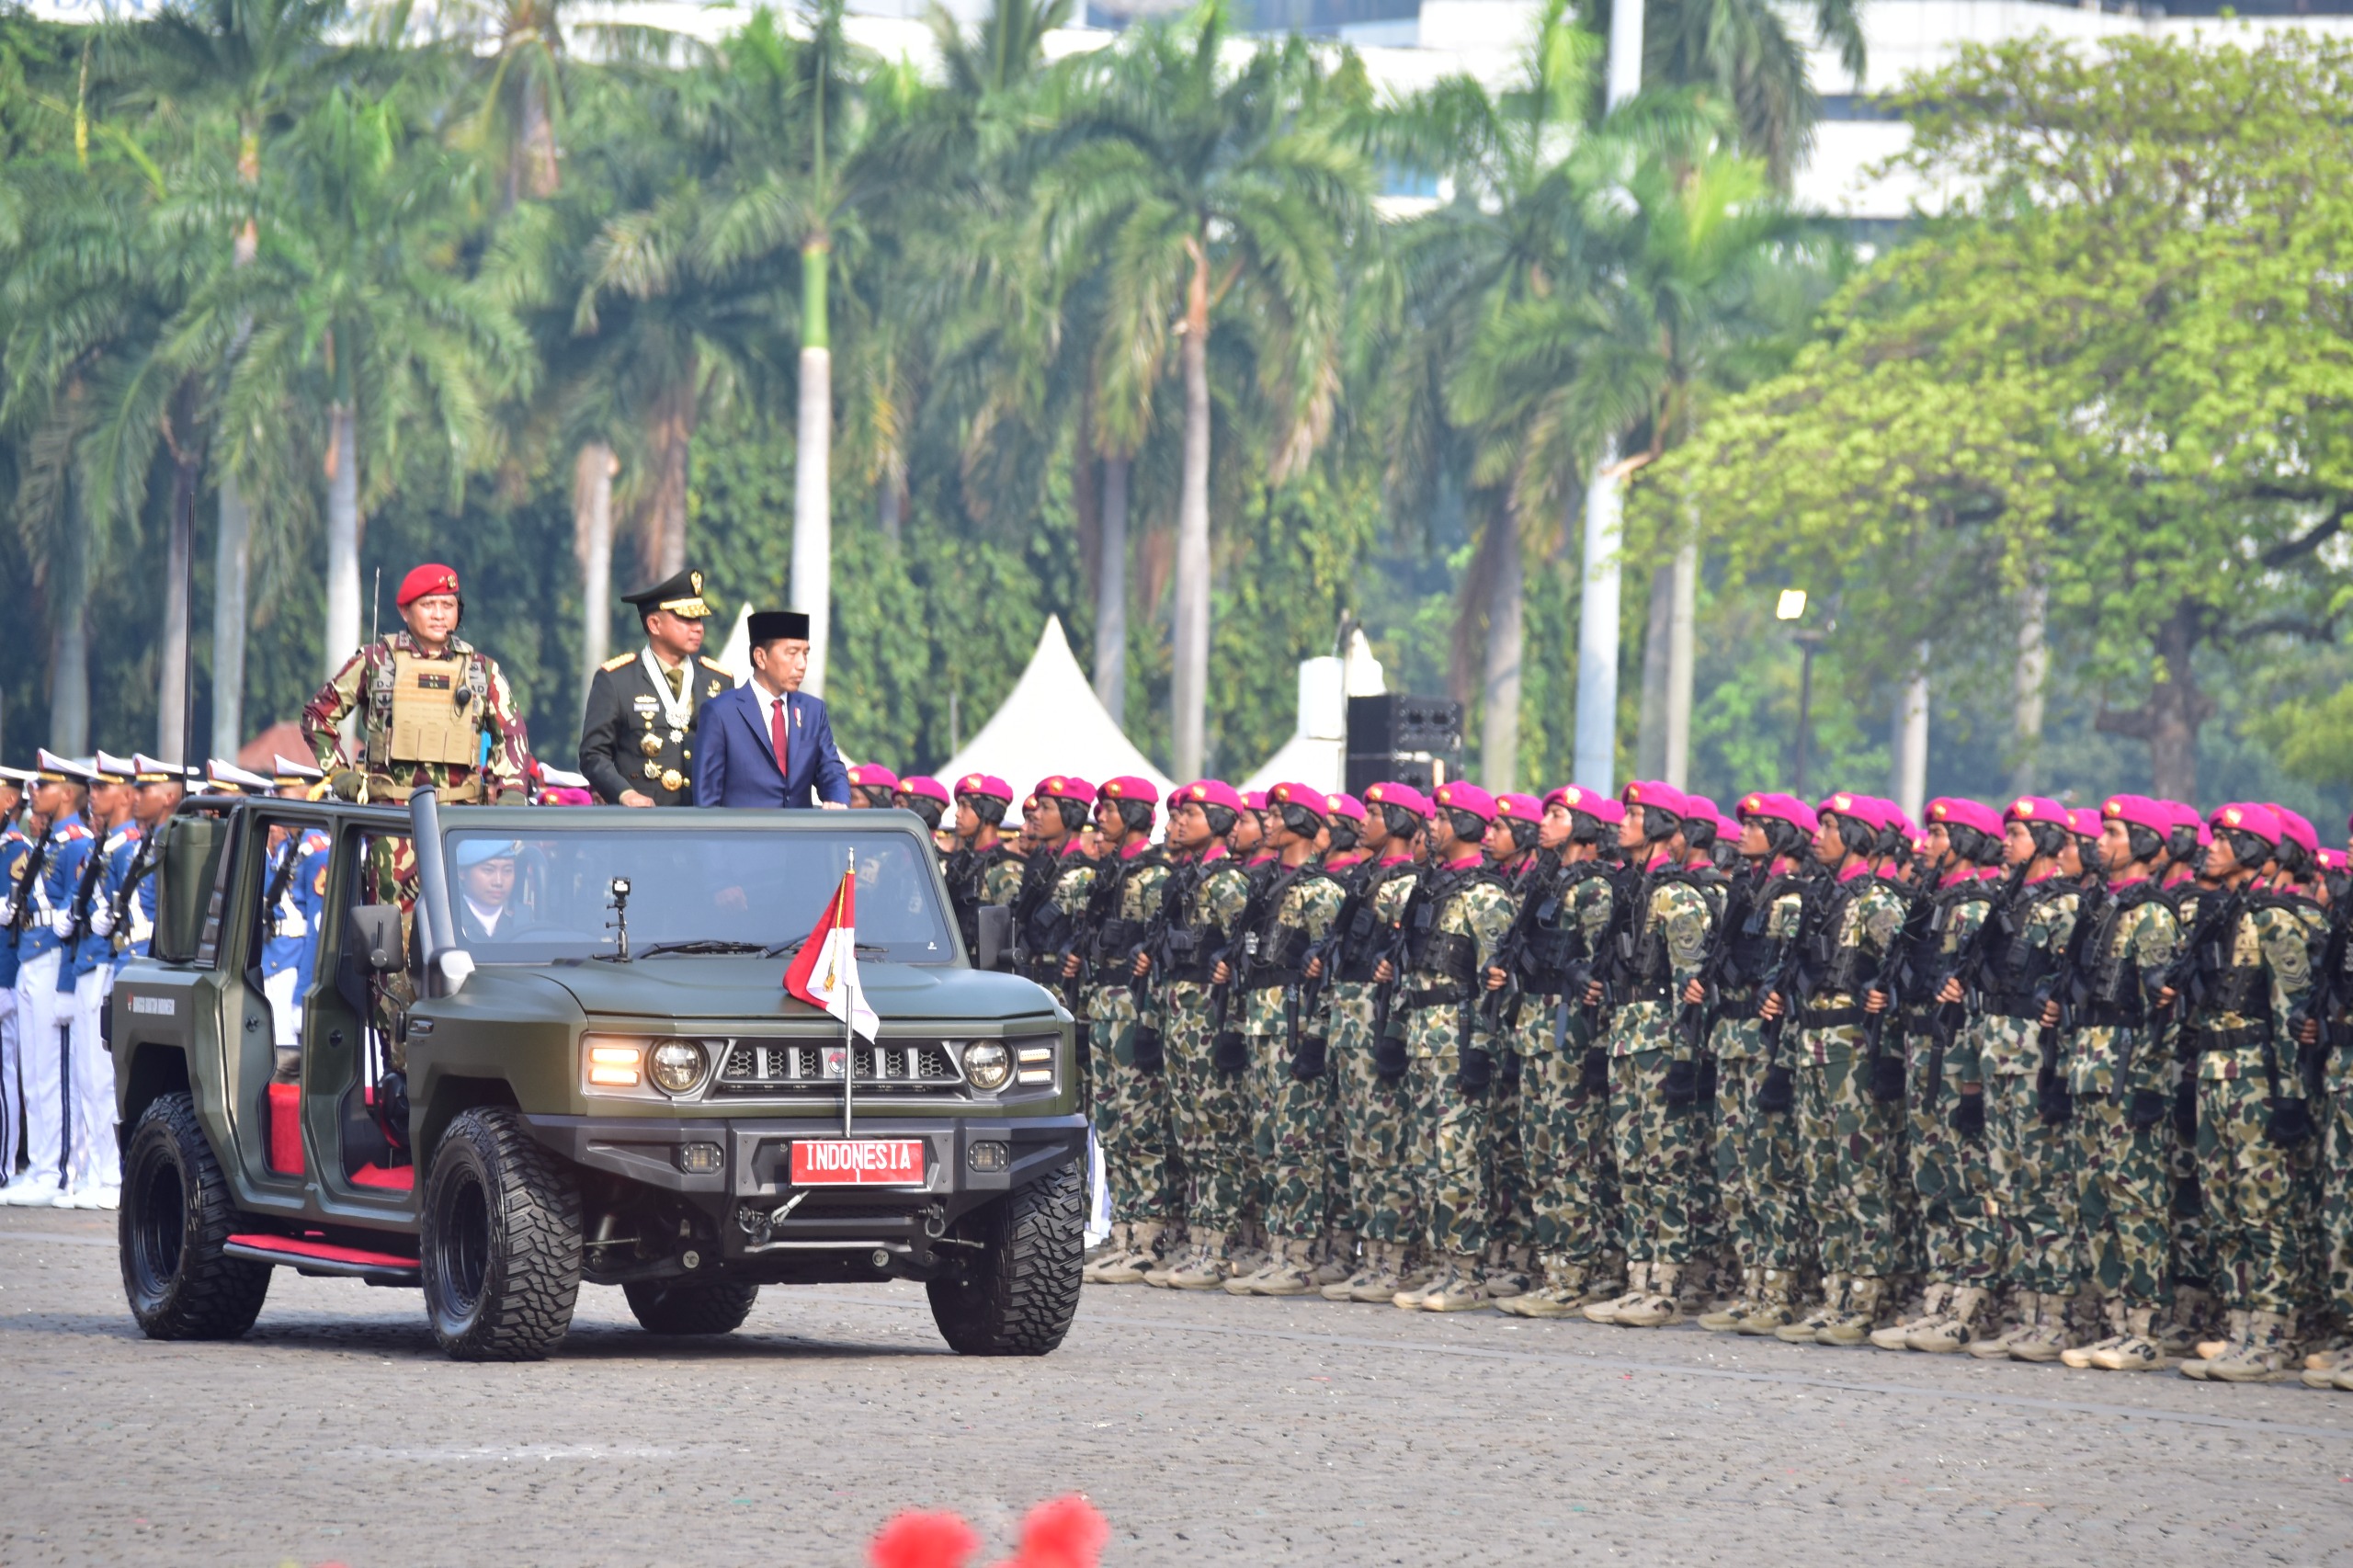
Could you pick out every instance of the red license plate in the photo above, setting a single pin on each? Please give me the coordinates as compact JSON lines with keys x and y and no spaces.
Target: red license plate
{"x":858,"y":1162}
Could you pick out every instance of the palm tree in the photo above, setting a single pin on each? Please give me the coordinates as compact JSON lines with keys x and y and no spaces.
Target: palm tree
{"x":1207,"y":192}
{"x":1743,"y":54}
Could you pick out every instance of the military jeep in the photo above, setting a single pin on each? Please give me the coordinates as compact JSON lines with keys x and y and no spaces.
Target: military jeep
{"x":541,"y":1046}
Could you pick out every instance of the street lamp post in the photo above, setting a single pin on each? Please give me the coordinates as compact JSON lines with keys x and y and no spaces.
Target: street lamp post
{"x":1791,"y":607}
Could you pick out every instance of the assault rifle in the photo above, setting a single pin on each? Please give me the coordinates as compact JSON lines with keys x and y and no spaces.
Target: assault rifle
{"x":143,"y":858}
{"x":2054,"y":1102}
{"x":94,"y":870}
{"x":28,"y":875}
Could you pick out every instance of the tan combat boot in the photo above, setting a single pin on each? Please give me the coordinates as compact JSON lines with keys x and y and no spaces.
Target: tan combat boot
{"x":1661,"y":1306}
{"x":1774,"y":1309}
{"x":1801,"y":1330}
{"x":1728,"y":1318}
{"x":2321,"y":1367}
{"x":1143,"y":1256}
{"x":1382,"y":1275}
{"x":1853,"y":1325}
{"x":1112,"y":1248}
{"x":1204,"y":1267}
{"x":1458,"y":1287}
{"x":1996,"y":1347}
{"x":1513,"y":1273}
{"x":1957,"y":1328}
{"x":1416,"y":1278}
{"x":1250,"y":1250}
{"x":2081,"y":1356}
{"x":2041,"y":1341}
{"x":2262,"y":1357}
{"x":1637,"y":1287}
{"x":1414,"y":1268}
{"x":1560,"y":1295}
{"x":2136,"y":1349}
{"x":1337,"y":1262}
{"x":2177,"y":1330}
{"x":1293,"y":1271}
{"x":1368,"y":1264}
{"x":1933,"y":1307}
{"x":2211,"y":1351}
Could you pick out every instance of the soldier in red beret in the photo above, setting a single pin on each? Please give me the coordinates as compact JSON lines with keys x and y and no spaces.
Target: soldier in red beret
{"x":433,"y":710}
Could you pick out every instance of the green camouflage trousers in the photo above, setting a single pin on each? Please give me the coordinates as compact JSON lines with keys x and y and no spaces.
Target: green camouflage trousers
{"x":1657,"y":1146}
{"x":1207,"y":1109}
{"x":2252,"y":1225}
{"x":1131,"y":1112}
{"x":1261,"y":1012}
{"x":2034,"y":1181}
{"x":1564,"y":1136}
{"x":1376,"y":1118}
{"x":1842,"y":1136}
{"x":1511,"y":1220}
{"x":2335,"y":1118}
{"x":1449,"y":1137}
{"x":1759,"y":1180}
{"x":1951,"y":1177}
{"x":2124,"y":1200}
{"x":1294,"y":1141}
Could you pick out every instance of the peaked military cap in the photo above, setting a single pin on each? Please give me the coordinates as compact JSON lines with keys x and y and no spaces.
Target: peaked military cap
{"x":681,"y":595}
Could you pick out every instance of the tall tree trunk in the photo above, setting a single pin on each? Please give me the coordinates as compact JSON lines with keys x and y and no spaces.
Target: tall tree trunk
{"x":1190,"y":679}
{"x":1625,"y":51}
{"x":2170,"y":720}
{"x":1597,"y":609}
{"x":2026,"y":688}
{"x":532,"y":168}
{"x":1650,"y":724}
{"x":343,"y":535}
{"x":591,"y":546}
{"x":1112,"y":593}
{"x":1506,"y":644}
{"x":812,"y":517}
{"x":890,"y":507}
{"x":232,"y":567}
{"x":1910,"y":740}
{"x":69,"y":671}
{"x":1682,"y":617}
{"x":661,"y":537}
{"x":172,"y":715}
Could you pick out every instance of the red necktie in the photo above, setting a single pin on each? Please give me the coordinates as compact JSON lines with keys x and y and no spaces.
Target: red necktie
{"x":775,"y":739}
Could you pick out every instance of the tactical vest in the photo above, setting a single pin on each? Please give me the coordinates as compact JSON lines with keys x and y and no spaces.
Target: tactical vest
{"x":2113,"y":984}
{"x":426,"y":710}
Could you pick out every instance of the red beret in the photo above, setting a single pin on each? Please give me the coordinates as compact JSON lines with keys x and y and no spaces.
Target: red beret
{"x":2246,"y":816}
{"x":2331,"y":859}
{"x":987,"y":784}
{"x":1297,"y":795}
{"x":923,"y":788}
{"x":1577,"y":798}
{"x":1655,"y":792}
{"x":1521,"y":808}
{"x":2036,"y":808}
{"x":1256,"y":799}
{"x":1128,"y":786}
{"x":431,"y":578}
{"x":1782,"y":808}
{"x":1460,"y":795}
{"x":1390,"y":793}
{"x":2138,"y":811}
{"x":1956,"y":811}
{"x":2298,"y":829}
{"x":1210,"y":793}
{"x":873,"y":776}
{"x":2085,"y":822}
{"x":1347,"y":806}
{"x":1064,"y":787}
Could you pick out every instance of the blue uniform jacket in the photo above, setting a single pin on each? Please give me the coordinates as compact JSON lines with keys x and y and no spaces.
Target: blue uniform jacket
{"x":13,"y":847}
{"x":735,"y":761}
{"x":70,"y":844}
{"x":96,"y":952}
{"x":295,"y":923}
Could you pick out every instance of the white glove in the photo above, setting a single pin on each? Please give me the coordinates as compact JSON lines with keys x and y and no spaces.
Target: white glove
{"x":102,"y":919}
{"x":7,"y":912}
{"x":293,"y":921}
{"x":61,"y":923}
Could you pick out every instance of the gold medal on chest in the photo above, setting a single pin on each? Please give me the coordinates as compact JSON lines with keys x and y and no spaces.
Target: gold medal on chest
{"x":650,"y":743}
{"x":671,"y":779}
{"x":653,"y":770}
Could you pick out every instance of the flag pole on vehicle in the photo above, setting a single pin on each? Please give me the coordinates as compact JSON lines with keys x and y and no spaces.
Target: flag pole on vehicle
{"x":825,"y":974}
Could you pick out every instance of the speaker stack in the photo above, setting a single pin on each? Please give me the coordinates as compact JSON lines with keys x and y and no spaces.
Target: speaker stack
{"x":1413,"y":740}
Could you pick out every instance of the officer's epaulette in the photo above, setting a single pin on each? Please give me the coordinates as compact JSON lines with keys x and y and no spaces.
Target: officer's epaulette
{"x":715,"y":667}
{"x":617,"y":660}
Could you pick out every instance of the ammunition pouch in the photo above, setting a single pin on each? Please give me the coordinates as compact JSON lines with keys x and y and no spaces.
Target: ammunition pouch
{"x":1230,"y":1052}
{"x":1680,"y":1087}
{"x":2291,"y":1123}
{"x":1508,"y":1076}
{"x":1449,"y":953}
{"x":2053,"y":1104}
{"x":1592,"y":1073}
{"x":1778,"y":1093}
{"x":1968,"y":1116}
{"x":2145,"y":1109}
{"x":1478,"y":1070}
{"x":1309,"y":1058}
{"x":1887,"y":1077}
{"x":1150,"y":1053}
{"x":1285,"y":950}
{"x":1389,"y":1056}
{"x":2185,"y":1110}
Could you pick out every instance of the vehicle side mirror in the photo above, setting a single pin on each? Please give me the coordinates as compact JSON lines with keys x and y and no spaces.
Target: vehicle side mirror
{"x":996,"y":937}
{"x":375,"y":936}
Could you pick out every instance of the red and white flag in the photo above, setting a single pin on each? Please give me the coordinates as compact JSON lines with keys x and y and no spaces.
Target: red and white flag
{"x":825,"y":972}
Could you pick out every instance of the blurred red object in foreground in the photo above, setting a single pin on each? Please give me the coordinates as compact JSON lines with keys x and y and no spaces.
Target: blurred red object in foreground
{"x":1066,"y":1532}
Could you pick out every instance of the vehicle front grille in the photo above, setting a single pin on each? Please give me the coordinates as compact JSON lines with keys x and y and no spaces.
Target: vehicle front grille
{"x":773,"y":1067}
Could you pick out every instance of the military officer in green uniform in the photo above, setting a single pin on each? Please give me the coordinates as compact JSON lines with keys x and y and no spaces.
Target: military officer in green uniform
{"x":637,"y":737}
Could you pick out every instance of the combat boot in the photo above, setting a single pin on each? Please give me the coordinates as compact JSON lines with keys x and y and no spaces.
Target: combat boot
{"x":1661,"y":1306}
{"x":1802,"y":1331}
{"x":1141,"y":1256}
{"x":1380,"y":1279}
{"x":1727,"y":1318}
{"x":1250,"y":1250}
{"x":1773,"y":1310}
{"x":1957,"y":1328}
{"x":2261,"y":1358}
{"x":1204,"y":1267}
{"x":2177,"y":1330}
{"x":1996,"y":1347}
{"x":2081,"y":1356}
{"x":1458,"y":1287}
{"x":1293,"y":1273}
{"x":1853,"y":1324}
{"x":1933,"y":1307}
{"x":1637,"y":1287}
{"x":1414,"y":1286}
{"x":2136,"y":1349}
{"x":1244,"y":1283}
{"x":1337,"y":1263}
{"x":1560,"y":1293}
{"x":2210,"y":1351}
{"x":2342,"y":1379}
{"x":1511,"y":1274}
{"x":1112,"y":1249}
{"x":1414,"y":1267}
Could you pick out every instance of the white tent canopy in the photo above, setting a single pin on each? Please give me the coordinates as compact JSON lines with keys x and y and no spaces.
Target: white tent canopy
{"x":1316,"y":754}
{"x":1052,"y":722}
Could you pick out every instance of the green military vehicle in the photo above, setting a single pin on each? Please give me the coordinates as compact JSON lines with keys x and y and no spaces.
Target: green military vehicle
{"x":538,"y":1046}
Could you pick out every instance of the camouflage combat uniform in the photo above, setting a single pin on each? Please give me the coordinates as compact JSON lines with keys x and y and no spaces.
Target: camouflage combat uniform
{"x":1050,"y":916}
{"x":1373,"y":1111}
{"x":1657,"y":1142}
{"x":1565,"y":1114}
{"x":1131,"y":1104}
{"x":1757,"y":1174}
{"x":1205,"y":1106}
{"x":446,"y":719}
{"x":2122,"y":1080}
{"x":1469,"y":912}
{"x":1843,"y":1132}
{"x":1960,"y":1228}
{"x":1293,"y":1131}
{"x":2032,"y":1186}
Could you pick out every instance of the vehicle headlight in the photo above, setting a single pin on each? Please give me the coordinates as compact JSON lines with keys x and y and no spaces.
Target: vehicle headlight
{"x":986,"y":1065}
{"x":678,"y":1065}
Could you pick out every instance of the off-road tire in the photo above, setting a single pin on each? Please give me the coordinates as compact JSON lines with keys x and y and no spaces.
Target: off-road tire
{"x":1017,"y":1294}
{"x":673,"y":1306}
{"x":176,"y":1216}
{"x":501,"y":1243}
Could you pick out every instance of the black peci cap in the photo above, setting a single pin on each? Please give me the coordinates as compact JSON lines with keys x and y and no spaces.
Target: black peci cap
{"x":770,"y":625}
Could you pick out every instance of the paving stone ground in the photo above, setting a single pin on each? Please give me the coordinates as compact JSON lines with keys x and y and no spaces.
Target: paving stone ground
{"x":1210,"y":1430}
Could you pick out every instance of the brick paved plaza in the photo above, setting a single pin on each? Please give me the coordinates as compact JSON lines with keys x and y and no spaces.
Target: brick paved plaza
{"x":1209,"y":1429}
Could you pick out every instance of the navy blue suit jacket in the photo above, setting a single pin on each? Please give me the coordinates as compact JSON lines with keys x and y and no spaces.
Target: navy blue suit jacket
{"x":735,"y":763}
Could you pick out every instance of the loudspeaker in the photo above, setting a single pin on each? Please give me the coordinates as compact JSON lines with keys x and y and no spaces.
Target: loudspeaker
{"x":1413,"y":740}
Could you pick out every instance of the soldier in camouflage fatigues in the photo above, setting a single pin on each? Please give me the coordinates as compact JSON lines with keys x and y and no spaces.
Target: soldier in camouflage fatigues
{"x":433,"y":710}
{"x":2336,"y":1152}
{"x":1050,"y":912}
{"x":1451,"y":1062}
{"x":1369,"y":1071}
{"x":982,"y":869}
{"x":1287,"y":1051}
{"x":2255,"y":980}
{"x":1205,"y":903}
{"x":1757,"y":1174}
{"x":2123,"y":1077}
{"x":1526,"y":871}
{"x":1653,"y":1067}
{"x":1131,"y":1121}
{"x":1844,"y":1132}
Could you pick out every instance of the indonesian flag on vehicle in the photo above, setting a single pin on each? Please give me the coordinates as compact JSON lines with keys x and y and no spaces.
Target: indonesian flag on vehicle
{"x":825,"y":972}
